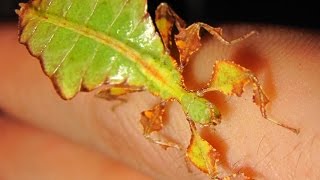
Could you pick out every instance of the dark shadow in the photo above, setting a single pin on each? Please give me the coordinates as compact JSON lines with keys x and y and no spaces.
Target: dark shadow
{"x":221,"y":146}
{"x":220,"y":100}
{"x":217,"y":142}
{"x":251,"y":59}
{"x":190,"y":72}
{"x":189,"y":76}
{"x":248,"y":171}
{"x":166,"y":115}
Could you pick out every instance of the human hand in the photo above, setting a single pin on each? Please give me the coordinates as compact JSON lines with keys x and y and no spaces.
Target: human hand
{"x":286,"y":61}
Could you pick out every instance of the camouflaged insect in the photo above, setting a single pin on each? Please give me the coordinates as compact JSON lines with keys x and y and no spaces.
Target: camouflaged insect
{"x":84,"y":44}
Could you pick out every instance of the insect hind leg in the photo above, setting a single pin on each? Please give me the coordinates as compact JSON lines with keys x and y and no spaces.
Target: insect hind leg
{"x":152,"y":122}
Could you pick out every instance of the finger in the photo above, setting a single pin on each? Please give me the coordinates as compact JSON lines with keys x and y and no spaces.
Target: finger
{"x":29,"y":95}
{"x":29,"y":153}
{"x":244,"y":138}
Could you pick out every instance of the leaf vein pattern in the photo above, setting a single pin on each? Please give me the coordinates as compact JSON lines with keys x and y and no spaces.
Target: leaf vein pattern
{"x":96,"y":48}
{"x":65,"y":56}
{"x":118,"y":15}
{"x":135,"y":27}
{"x":100,"y":37}
{"x":54,"y":33}
{"x":33,"y":31}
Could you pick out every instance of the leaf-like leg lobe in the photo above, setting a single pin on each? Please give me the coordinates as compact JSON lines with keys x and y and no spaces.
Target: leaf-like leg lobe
{"x":115,"y":92}
{"x":152,"y":122}
{"x":201,"y":153}
{"x":230,"y":79}
{"x":165,"y":20}
{"x":205,"y":157}
{"x":188,"y":40}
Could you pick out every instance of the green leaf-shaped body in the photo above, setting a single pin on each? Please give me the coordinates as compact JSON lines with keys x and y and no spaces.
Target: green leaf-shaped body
{"x":84,"y":44}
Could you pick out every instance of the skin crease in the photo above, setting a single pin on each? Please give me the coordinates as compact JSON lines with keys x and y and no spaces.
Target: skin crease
{"x":286,"y":62}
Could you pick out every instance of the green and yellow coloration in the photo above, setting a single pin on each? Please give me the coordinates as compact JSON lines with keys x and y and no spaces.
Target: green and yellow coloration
{"x":84,"y":44}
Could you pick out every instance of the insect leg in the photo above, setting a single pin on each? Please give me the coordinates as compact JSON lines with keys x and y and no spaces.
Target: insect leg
{"x":152,"y":122}
{"x":166,"y":19}
{"x":217,"y":33}
{"x":205,"y":157}
{"x":117,"y":92}
{"x":201,"y":153}
{"x":261,"y":100}
{"x":114,"y":92}
{"x":188,"y":40}
{"x":230,"y":79}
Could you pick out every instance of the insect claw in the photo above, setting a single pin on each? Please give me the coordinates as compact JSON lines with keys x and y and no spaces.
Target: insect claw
{"x":163,"y":142}
{"x":294,"y":130}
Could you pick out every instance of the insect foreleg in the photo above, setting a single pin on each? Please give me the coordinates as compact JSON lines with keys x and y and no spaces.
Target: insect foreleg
{"x":166,"y":19}
{"x":117,"y":92}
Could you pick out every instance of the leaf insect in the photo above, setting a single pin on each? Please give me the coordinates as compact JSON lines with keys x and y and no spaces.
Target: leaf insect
{"x":84,"y":44}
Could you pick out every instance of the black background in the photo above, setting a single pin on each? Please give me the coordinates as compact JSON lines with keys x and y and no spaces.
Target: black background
{"x":301,"y":14}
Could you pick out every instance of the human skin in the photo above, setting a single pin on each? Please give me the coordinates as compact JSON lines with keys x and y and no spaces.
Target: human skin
{"x":286,"y":61}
